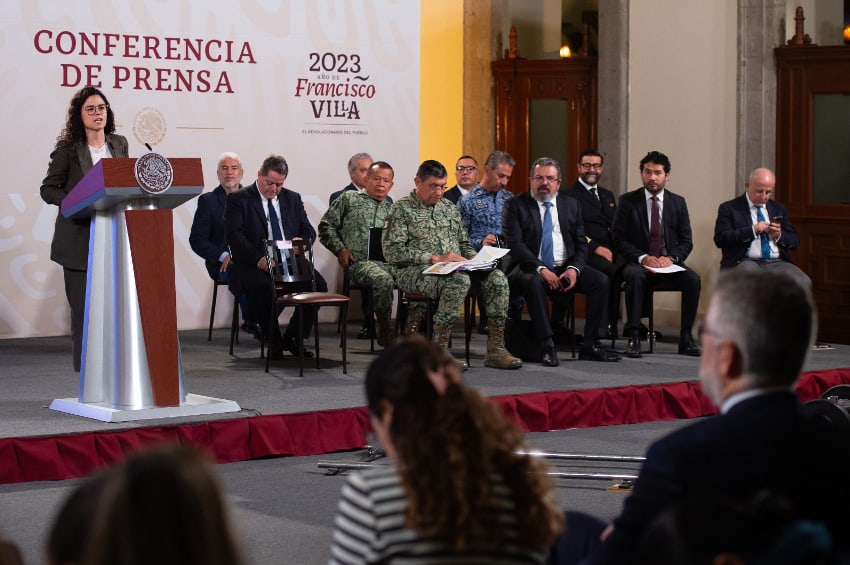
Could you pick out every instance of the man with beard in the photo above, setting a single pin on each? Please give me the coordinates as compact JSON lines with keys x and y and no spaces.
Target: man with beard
{"x":548,"y":249}
{"x":598,"y":206}
{"x":652,"y":230}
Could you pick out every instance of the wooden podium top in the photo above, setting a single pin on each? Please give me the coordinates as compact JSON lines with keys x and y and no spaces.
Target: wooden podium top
{"x":113,"y":181}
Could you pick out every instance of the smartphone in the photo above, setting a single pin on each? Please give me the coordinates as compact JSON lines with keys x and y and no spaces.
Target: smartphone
{"x":776,"y":220}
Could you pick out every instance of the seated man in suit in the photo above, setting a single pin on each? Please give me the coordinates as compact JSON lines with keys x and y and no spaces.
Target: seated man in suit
{"x":266,"y":210}
{"x":652,"y":229}
{"x":757,"y":333}
{"x":424,"y":228}
{"x":598,"y":206}
{"x":466,"y":174}
{"x":344,"y":230}
{"x":548,"y":252}
{"x":208,"y":236}
{"x":755,"y":232}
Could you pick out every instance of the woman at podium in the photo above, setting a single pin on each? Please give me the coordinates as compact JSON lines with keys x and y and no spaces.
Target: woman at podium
{"x":87,"y":137}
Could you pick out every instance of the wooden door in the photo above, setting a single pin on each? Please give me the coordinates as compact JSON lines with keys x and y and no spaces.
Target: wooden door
{"x":545,"y":108}
{"x":813,"y":173}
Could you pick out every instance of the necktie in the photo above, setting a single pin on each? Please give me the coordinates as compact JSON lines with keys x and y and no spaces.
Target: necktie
{"x":277,"y":235}
{"x":547,"y":253}
{"x":655,"y":229}
{"x":765,"y":242}
{"x":594,"y":193}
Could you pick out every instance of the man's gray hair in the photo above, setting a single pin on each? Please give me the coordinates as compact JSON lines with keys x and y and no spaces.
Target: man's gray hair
{"x":496,"y":158}
{"x":352,"y":163}
{"x":770,"y":317}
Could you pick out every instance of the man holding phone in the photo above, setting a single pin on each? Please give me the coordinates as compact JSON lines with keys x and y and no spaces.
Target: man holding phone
{"x":753,"y":231}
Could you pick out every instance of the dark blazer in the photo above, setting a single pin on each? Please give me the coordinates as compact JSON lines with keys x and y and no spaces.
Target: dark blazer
{"x":631,"y":226}
{"x":247,"y":228}
{"x":335,"y":195}
{"x":453,"y":194}
{"x":597,"y":213}
{"x":733,"y":230}
{"x":68,"y":165}
{"x":522,"y":229}
{"x":208,"y":236}
{"x":765,"y":442}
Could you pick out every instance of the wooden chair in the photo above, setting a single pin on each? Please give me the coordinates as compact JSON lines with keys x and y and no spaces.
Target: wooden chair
{"x":293,"y":263}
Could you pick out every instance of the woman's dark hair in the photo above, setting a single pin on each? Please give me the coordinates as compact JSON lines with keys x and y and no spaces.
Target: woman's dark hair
{"x":74,"y":130}
{"x":162,"y":506}
{"x":455,"y":448}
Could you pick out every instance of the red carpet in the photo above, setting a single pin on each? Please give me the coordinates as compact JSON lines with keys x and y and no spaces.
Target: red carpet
{"x":69,"y":456}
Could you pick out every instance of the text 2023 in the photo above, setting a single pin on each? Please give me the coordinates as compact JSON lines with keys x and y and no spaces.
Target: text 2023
{"x":335,"y":62}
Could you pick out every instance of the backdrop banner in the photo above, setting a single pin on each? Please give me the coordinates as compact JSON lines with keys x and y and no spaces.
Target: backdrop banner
{"x":314,"y":81}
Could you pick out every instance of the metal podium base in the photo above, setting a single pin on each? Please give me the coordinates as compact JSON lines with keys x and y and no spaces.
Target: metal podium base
{"x":195,"y":405}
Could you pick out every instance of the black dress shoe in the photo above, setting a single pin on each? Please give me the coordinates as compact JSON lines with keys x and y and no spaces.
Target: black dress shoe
{"x":633,"y":349}
{"x":688,"y":347}
{"x":364,"y":333}
{"x":596,"y":353}
{"x":291,"y":345}
{"x":611,"y":332}
{"x":252,"y":328}
{"x":550,"y":357}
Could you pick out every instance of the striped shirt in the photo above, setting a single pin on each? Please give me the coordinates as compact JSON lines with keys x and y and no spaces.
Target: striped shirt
{"x":369,"y":527}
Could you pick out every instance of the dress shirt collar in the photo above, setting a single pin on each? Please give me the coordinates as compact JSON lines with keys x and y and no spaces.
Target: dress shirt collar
{"x":737,"y":398}
{"x":647,"y":195}
{"x":587,"y":186}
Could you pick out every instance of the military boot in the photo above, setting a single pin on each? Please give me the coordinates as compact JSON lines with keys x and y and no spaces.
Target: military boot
{"x":414,"y":320}
{"x":497,"y":356}
{"x":385,"y":330}
{"x":441,"y":338}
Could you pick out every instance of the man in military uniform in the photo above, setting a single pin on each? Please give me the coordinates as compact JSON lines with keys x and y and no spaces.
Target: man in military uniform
{"x":424,"y":229}
{"x":344,"y":230}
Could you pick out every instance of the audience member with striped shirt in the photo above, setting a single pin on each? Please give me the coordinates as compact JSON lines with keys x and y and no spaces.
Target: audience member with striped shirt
{"x":457,"y":490}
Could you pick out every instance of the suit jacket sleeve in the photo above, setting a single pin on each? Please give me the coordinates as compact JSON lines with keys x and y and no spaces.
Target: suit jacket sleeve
{"x":243,"y":234}
{"x":521,"y":235}
{"x":683,"y":244}
{"x":731,"y":229}
{"x":628,"y":228}
{"x":200,"y":235}
{"x":295,"y":220}
{"x":789,"y":239}
{"x":575,"y":241}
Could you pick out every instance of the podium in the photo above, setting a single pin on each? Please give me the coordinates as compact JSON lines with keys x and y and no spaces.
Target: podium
{"x":131,"y":367}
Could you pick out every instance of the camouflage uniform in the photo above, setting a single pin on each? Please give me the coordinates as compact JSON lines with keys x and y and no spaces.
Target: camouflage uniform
{"x":481,"y":213}
{"x":414,"y":233}
{"x":346,"y":225}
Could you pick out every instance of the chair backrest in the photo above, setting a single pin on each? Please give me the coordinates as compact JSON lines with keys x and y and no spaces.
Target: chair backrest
{"x":292,"y":260}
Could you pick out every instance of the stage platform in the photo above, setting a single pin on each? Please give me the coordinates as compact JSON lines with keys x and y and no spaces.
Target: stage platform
{"x":283,"y":414}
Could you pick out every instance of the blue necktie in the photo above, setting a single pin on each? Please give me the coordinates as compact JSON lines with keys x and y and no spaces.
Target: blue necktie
{"x":277,"y":235}
{"x":547,"y":249}
{"x":765,"y":242}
